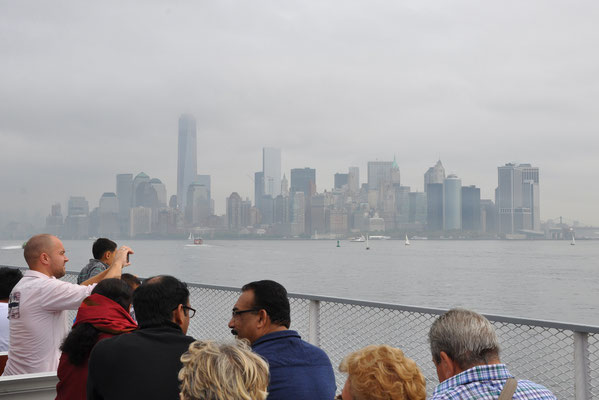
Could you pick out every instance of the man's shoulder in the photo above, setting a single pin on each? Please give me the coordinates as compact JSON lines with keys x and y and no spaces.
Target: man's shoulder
{"x":289,"y":348}
{"x":491,"y":389}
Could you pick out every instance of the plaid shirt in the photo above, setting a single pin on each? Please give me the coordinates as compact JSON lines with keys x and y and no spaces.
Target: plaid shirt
{"x":486,"y":382}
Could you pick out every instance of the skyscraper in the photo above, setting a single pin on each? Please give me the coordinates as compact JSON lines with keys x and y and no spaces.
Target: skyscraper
{"x":452,"y":203}
{"x":187,"y":166}
{"x":234,"y":220}
{"x":517,"y":198}
{"x":435,"y":174}
{"x":271,"y":167}
{"x":434,"y":209}
{"x":303,"y":180}
{"x":471,"y":208}
{"x":379,"y":173}
{"x":353,"y":180}
{"x":124,"y":194}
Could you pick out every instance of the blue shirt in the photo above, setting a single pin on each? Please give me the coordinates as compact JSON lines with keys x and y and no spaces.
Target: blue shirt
{"x":486,"y":382}
{"x":298,"y":370}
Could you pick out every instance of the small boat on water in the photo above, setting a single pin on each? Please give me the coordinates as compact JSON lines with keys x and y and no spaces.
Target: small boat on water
{"x":407,"y":241}
{"x":195,"y":240}
{"x":379,"y":237}
{"x":190,"y":236}
{"x":573,"y":242}
{"x":367,"y":245}
{"x":360,"y":239}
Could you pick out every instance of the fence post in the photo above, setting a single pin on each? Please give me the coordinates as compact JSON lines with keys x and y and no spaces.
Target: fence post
{"x":314,"y":323}
{"x":581,"y":366}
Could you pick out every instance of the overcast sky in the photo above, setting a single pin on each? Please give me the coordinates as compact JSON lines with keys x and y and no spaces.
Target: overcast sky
{"x":92,"y":89}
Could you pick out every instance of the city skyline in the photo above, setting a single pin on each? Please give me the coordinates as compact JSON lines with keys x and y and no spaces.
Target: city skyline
{"x":333,"y":85}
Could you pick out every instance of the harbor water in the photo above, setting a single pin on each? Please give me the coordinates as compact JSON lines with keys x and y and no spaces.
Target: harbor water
{"x":548,"y":280}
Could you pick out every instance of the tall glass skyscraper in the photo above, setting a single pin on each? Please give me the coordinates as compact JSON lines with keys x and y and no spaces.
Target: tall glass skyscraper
{"x":271,"y":167}
{"x":187,"y":165}
{"x":452,"y":203}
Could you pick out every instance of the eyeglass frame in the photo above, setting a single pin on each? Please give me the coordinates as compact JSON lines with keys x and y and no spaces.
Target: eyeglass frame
{"x":235,"y":313}
{"x":191,"y":312}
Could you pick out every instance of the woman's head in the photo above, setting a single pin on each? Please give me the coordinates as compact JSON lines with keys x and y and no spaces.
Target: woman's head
{"x":382,"y":372}
{"x":213,"y":371}
{"x":116,"y":290}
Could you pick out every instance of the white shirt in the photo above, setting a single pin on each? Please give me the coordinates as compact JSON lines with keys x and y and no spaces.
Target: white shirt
{"x":3,"y":326}
{"x":38,"y":321}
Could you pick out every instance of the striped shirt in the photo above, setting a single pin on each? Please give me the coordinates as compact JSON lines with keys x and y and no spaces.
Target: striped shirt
{"x":486,"y":382}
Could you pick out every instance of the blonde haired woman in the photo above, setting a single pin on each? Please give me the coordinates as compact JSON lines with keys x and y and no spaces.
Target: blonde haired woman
{"x":381,"y":372}
{"x":231,"y":371}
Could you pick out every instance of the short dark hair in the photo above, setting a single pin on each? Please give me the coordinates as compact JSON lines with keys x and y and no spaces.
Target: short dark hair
{"x":272,"y":297}
{"x":116,"y":290}
{"x":101,"y":246}
{"x":9,"y":277}
{"x":130,"y":280}
{"x":156,"y":299}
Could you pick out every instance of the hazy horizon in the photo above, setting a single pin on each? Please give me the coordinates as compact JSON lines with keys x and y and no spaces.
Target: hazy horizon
{"x":93,"y":90}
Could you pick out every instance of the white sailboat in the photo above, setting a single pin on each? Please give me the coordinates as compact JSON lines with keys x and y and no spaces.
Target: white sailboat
{"x":573,"y":242}
{"x":367,"y":245}
{"x":407,"y":241}
{"x":190,"y":236}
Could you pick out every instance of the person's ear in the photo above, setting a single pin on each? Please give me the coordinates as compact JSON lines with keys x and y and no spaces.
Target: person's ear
{"x":178,"y":315}
{"x":262,"y":318}
{"x":447,"y":367}
{"x":45,"y":258}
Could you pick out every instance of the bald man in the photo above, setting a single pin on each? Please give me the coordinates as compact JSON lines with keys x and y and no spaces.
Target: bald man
{"x":37,"y":305}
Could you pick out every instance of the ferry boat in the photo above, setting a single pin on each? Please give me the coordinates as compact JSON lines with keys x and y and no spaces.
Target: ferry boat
{"x":360,"y":239}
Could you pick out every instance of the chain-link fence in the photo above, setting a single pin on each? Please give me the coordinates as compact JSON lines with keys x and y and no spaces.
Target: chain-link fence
{"x":543,"y":352}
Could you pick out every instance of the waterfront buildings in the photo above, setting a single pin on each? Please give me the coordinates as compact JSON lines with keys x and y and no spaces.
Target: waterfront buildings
{"x":517,"y":198}
{"x":186,"y":158}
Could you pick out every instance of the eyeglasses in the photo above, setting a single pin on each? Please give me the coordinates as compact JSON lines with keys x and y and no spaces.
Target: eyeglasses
{"x":190,"y":311}
{"x":235,"y":313}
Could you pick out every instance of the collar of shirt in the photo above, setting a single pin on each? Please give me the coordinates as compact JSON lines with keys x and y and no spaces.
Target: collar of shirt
{"x":36,"y":274}
{"x":491,"y":372}
{"x":276,"y":335}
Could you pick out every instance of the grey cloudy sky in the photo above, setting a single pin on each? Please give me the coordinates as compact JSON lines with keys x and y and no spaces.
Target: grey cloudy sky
{"x":92,"y":89}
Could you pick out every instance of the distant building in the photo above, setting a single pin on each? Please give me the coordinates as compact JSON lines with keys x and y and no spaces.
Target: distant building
{"x":435,"y":174}
{"x":284,"y":186}
{"x":258,"y":188}
{"x":54,"y":222}
{"x":303,"y":180}
{"x":234,"y":213}
{"x":140,"y":179}
{"x":379,"y":172}
{"x":187,"y":166}
{"x":341,"y":180}
{"x":124,"y":194}
{"x":488,"y":216}
{"x":108,"y":216}
{"x":417,"y":208}
{"x":471,"y":211}
{"x":140,"y":221}
{"x":353,"y":180}
{"x":271,"y":168}
{"x":199,"y":206}
{"x":76,"y":224}
{"x":298,"y":213}
{"x":434,"y":208}
{"x":452,"y":203}
{"x":281,"y":209}
{"x":517,"y":198}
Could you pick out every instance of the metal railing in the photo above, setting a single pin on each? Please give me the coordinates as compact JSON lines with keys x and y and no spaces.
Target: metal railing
{"x":563,"y":357}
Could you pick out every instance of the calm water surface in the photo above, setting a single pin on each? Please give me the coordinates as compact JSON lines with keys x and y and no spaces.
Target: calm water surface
{"x":548,"y":280}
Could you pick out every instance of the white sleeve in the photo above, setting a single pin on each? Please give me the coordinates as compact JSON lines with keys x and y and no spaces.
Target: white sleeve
{"x":58,"y":295}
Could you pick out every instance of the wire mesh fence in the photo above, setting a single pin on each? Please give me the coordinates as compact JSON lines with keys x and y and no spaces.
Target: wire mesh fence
{"x":535,"y":350}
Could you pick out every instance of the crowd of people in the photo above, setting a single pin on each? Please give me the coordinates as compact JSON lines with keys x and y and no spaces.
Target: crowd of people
{"x":129,"y":340}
